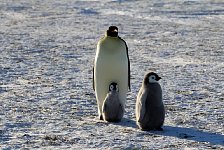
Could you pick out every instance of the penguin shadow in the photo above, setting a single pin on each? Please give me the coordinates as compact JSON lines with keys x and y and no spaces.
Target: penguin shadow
{"x":191,"y":134}
{"x":125,"y":122}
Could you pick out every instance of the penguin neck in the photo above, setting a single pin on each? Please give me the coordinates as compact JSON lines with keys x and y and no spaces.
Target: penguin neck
{"x":113,"y":92}
{"x":153,"y":81}
{"x":150,"y":82}
{"x":148,"y":85}
{"x":111,"y":34}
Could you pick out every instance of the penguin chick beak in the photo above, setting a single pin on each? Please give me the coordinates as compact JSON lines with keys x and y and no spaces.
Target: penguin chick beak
{"x":159,"y":78}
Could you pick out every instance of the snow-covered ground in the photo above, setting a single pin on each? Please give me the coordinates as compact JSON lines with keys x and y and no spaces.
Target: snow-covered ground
{"x":47,"y":49}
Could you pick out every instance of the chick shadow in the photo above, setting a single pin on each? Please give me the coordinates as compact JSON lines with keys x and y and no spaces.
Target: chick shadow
{"x":179,"y":132}
{"x":126,"y":122}
{"x":191,"y":134}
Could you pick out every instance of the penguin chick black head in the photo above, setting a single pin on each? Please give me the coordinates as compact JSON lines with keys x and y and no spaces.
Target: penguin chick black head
{"x":112,"y":31}
{"x":113,"y":87}
{"x":151,"y":77}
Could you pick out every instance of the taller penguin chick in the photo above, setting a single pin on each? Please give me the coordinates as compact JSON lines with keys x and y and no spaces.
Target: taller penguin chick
{"x":111,"y":65}
{"x":150,"y":113}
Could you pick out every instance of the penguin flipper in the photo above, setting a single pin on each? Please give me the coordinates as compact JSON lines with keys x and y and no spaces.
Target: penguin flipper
{"x":129,"y":74}
{"x":93,"y":80}
{"x":137,"y":106}
{"x":106,"y":103}
{"x":104,"y":108}
{"x":141,"y":105}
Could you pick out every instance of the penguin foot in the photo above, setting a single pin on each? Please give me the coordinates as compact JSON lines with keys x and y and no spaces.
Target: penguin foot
{"x":151,"y":129}
{"x":114,"y":120}
{"x":159,"y":129}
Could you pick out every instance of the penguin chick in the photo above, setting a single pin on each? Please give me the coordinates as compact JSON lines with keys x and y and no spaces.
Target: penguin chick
{"x":113,"y":110}
{"x":150,"y":113}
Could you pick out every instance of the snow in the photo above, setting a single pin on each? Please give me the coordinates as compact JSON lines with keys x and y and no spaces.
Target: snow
{"x":46,"y":57}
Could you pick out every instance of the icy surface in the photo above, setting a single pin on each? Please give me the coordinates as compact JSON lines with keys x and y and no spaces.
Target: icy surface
{"x":46,"y":56}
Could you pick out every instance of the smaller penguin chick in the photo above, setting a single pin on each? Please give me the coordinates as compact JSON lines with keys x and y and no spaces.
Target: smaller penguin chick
{"x":113,"y":110}
{"x":150,"y":113}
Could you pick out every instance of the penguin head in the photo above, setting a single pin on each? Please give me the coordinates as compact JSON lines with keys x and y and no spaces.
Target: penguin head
{"x":151,"y":77}
{"x":112,"y":31}
{"x":113,"y":87}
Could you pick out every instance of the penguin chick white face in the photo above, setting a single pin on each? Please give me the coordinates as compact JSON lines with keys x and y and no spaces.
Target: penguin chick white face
{"x":113,"y":87}
{"x":151,"y":78}
{"x":112,"y":31}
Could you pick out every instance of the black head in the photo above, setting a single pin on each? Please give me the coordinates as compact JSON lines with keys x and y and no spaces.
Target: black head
{"x":151,"y":77}
{"x":112,"y":31}
{"x":113,"y":87}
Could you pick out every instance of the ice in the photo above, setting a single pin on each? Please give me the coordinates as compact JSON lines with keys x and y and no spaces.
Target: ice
{"x":47,"y":50}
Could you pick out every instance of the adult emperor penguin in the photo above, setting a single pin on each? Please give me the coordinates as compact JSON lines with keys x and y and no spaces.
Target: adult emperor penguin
{"x":111,"y":64}
{"x":150,"y":113}
{"x":113,"y":110}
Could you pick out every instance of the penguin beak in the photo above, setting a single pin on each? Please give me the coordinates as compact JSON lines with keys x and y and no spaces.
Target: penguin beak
{"x":159,"y":78}
{"x":115,"y":30}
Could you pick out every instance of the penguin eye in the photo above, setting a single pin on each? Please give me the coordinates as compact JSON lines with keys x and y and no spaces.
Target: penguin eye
{"x":153,"y":77}
{"x":111,"y":88}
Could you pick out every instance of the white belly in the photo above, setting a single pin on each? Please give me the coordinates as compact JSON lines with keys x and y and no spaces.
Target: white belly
{"x":111,"y":67}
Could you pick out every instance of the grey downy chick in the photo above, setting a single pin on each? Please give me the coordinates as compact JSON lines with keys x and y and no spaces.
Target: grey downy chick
{"x":150,"y":113}
{"x":112,"y":108}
